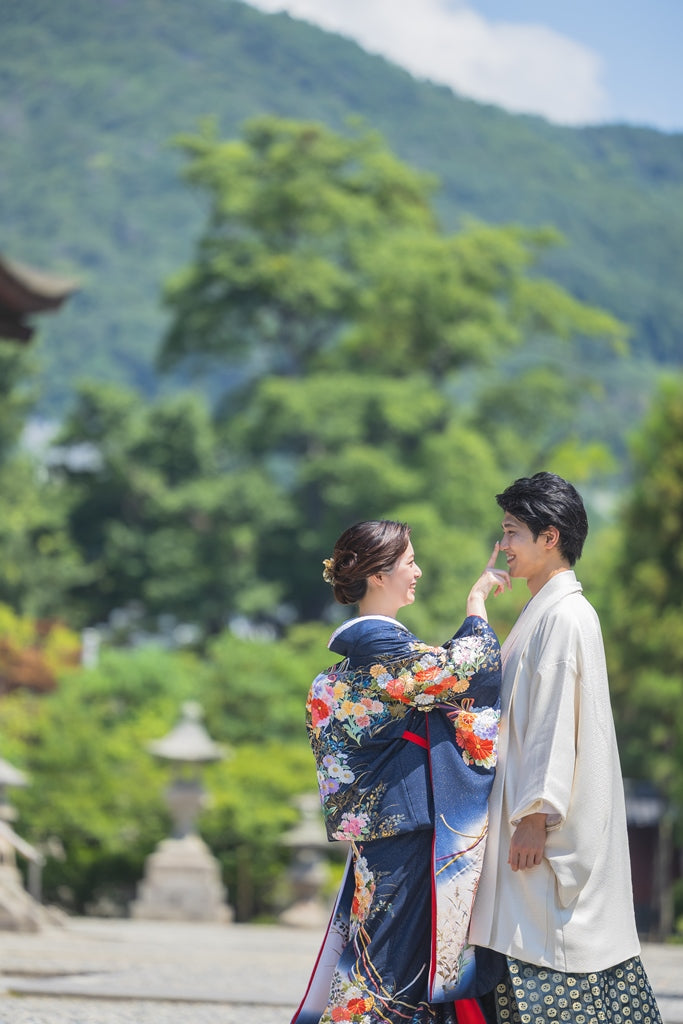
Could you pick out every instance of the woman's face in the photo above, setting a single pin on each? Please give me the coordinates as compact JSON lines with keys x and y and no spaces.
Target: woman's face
{"x":400,"y":582}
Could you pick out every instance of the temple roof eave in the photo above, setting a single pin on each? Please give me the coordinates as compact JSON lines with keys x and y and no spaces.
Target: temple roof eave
{"x":23,"y":291}
{"x":26,"y":290}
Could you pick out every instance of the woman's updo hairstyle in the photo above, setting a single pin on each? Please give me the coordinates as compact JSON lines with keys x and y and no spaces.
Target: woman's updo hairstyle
{"x":362,"y":551}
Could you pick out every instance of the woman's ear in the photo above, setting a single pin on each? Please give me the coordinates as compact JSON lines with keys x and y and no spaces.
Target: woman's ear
{"x":377,"y":580}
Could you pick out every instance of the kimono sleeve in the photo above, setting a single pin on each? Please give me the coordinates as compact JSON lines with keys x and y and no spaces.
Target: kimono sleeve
{"x":475,"y":635}
{"x":466,"y":668}
{"x":548,"y":751}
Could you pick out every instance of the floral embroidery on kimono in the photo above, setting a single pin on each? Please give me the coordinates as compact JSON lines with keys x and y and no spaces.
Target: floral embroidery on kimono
{"x":347,"y":711}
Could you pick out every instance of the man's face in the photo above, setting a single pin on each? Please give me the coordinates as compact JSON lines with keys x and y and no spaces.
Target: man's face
{"x":525,"y":556}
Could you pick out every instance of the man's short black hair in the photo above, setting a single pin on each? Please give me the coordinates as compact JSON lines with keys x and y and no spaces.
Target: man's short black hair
{"x":544,"y":500}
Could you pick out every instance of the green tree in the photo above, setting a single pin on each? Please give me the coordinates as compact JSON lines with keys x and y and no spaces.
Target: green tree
{"x":448,"y":302}
{"x":16,"y":396}
{"x":278,"y":270}
{"x":163,"y":516}
{"x":347,"y":447}
{"x":322,"y":250}
{"x":644,"y":601}
{"x":95,"y":801}
{"x":357,"y":325}
{"x":39,"y":562}
{"x":95,"y":796}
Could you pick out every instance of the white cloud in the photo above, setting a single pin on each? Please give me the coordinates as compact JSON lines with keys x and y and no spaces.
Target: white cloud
{"x":523,"y":67}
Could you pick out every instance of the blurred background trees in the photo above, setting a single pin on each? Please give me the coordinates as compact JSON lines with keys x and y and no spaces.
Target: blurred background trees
{"x":644,"y":600}
{"x":334,"y":351}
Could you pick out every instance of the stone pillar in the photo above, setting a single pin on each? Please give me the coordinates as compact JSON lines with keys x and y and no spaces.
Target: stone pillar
{"x":182,"y":878}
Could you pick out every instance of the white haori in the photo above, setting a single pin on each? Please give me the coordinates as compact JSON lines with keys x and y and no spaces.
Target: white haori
{"x":558,"y":753}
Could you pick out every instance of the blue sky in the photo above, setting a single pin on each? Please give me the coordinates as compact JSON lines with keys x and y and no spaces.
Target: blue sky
{"x":572,"y":61}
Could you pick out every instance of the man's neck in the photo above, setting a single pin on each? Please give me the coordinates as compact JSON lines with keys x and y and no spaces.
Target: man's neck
{"x":536,"y":583}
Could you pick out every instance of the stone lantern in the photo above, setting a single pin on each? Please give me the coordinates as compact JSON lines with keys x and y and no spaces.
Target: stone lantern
{"x":308,"y":871}
{"x":182,"y":878}
{"x":9,"y":776}
{"x":18,"y":910}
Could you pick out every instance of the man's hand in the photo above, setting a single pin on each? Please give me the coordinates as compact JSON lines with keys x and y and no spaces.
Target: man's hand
{"x":527,"y":843}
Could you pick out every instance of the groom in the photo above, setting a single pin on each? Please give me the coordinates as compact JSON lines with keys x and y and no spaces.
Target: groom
{"x":555,"y":892}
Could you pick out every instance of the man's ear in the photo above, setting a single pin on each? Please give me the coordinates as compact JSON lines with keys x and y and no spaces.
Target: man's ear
{"x":552,"y":537}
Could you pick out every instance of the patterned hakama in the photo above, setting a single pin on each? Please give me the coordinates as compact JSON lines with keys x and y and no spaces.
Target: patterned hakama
{"x":539,"y":995}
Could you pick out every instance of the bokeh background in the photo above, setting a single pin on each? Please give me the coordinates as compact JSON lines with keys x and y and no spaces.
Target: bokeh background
{"x":320,"y":262}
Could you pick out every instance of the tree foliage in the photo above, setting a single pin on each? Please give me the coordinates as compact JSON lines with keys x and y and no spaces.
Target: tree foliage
{"x":322,"y":250}
{"x":278,"y":268}
{"x":164,"y":517}
{"x":90,"y":186}
{"x":16,"y":395}
{"x":351,"y":390}
{"x":369,"y":363}
{"x":38,"y":559}
{"x":95,"y":803}
{"x":645,"y":598}
{"x":32,"y":654}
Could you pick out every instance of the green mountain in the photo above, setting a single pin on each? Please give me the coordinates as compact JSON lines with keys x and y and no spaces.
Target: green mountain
{"x":91,"y":92}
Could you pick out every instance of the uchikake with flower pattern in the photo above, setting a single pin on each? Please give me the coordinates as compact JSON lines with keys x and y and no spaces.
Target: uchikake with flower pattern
{"x":346,"y":709}
{"x":405,"y":748}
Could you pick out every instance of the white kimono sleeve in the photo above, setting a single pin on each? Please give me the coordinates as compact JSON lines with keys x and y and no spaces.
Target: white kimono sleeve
{"x":549,"y":746}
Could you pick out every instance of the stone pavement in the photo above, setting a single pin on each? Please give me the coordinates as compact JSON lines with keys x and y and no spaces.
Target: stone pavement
{"x":95,"y":971}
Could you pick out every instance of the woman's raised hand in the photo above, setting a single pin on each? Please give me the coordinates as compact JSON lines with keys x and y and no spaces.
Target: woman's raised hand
{"x":495,"y":578}
{"x":492,"y":579}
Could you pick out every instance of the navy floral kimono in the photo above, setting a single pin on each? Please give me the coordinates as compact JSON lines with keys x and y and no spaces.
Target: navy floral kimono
{"x":405,"y":738}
